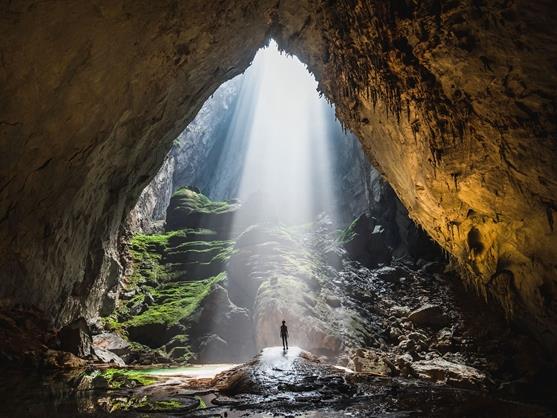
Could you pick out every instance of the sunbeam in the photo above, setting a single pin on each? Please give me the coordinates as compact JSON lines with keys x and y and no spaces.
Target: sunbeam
{"x":281,"y":127}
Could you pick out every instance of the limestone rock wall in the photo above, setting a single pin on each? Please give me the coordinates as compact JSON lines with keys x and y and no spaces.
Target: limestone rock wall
{"x":208,"y":156}
{"x":153,"y":200}
{"x":188,"y":162}
{"x":455,"y":102}
{"x":93,"y":94}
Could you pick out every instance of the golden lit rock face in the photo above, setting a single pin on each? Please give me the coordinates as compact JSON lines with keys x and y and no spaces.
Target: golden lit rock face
{"x":455,"y":102}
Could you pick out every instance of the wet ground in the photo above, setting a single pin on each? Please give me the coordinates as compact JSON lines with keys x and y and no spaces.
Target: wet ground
{"x":274,"y":383}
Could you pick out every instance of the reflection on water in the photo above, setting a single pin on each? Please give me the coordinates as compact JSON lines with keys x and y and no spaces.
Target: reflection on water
{"x":195,"y":371}
{"x":29,"y":394}
{"x":304,"y":392}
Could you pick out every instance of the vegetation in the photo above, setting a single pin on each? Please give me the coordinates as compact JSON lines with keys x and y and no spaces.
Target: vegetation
{"x":121,"y":378}
{"x":172,"y":273}
{"x":172,"y":303}
{"x":144,"y":404}
{"x":347,"y":234}
{"x":189,"y":201}
{"x":175,"y":301}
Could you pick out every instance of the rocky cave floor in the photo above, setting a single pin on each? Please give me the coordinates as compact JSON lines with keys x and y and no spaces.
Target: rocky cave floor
{"x":442,"y":354}
{"x":378,"y":336}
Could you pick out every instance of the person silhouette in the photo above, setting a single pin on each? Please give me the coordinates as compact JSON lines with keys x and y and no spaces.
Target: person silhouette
{"x":284,"y":335}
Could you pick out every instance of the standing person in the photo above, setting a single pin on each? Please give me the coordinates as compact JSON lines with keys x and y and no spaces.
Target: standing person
{"x":284,"y":335}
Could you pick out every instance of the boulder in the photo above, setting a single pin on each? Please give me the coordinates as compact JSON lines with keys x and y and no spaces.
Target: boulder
{"x":112,"y":342}
{"x":180,"y":353}
{"x":332,"y":301}
{"x":75,"y":338}
{"x":366,"y":242}
{"x":428,"y":316}
{"x":443,"y":340}
{"x":227,"y":322}
{"x":109,"y":357}
{"x":63,"y":360}
{"x":190,"y":209}
{"x":372,"y":361}
{"x":389,"y":274}
{"x":441,"y":370}
{"x":403,"y":363}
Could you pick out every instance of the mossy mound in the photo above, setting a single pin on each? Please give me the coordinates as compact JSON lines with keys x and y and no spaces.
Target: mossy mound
{"x":191,"y":209}
{"x":173,"y":304}
{"x":125,"y":378}
{"x":172,"y":274}
{"x":157,"y":310}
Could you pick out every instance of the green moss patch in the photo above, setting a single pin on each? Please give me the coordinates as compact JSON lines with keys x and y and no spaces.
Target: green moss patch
{"x":125,"y":378}
{"x":172,"y":273}
{"x":189,"y":202}
{"x":145,"y":404}
{"x":200,"y":251}
{"x":175,"y":301}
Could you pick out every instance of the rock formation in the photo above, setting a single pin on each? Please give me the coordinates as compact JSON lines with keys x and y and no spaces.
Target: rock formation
{"x":190,"y":160}
{"x":449,"y":99}
{"x":455,"y":102}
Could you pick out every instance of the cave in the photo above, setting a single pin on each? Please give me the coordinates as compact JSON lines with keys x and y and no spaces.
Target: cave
{"x":121,"y":166}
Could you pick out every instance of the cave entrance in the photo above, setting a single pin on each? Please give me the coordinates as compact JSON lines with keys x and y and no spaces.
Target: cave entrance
{"x":265,"y":210}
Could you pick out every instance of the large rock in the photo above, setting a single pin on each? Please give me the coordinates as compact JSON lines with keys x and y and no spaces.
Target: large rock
{"x":188,"y":208}
{"x":212,"y":349}
{"x":76,"y":338}
{"x":112,"y":342}
{"x":440,"y":370}
{"x":373,"y":362}
{"x":367,"y":242}
{"x":428,"y":316}
{"x":109,"y":357}
{"x":220,"y":320}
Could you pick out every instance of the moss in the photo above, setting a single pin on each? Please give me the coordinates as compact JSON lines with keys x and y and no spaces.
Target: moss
{"x":175,"y":301}
{"x":190,"y":202}
{"x":120,"y":378}
{"x":202,"y":404}
{"x":147,"y":252}
{"x":190,"y":234}
{"x":201,"y":251}
{"x":111,"y":323}
{"x":172,"y":272}
{"x":163,"y":406}
{"x":144,"y":404}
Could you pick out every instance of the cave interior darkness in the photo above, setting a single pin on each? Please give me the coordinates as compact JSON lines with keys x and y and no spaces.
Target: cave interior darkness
{"x":176,"y":180}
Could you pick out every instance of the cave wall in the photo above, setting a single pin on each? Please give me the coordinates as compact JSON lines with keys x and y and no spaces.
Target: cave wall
{"x":454,"y":102}
{"x":93,"y":94}
{"x":190,"y":161}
